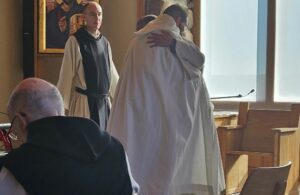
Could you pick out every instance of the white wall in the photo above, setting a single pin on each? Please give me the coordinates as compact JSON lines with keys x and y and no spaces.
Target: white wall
{"x":10,"y":49}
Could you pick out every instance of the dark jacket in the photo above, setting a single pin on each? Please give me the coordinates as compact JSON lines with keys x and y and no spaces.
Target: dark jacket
{"x":69,"y":155}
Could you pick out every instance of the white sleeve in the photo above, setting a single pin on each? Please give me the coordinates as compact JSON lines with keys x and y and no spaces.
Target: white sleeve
{"x":134,"y":184}
{"x":114,"y":74}
{"x":9,"y":184}
{"x":190,"y":56}
{"x":68,"y":70}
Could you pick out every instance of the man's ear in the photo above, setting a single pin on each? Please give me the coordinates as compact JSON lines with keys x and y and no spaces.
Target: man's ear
{"x":22,"y":121}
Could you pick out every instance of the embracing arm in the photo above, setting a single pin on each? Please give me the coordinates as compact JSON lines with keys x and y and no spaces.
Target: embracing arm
{"x":187,"y":51}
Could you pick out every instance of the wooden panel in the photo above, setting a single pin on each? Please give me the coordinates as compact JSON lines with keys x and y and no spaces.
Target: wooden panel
{"x":288,"y":152}
{"x":256,"y":159}
{"x":140,"y":8}
{"x":258,"y":136}
{"x":274,"y":140}
{"x":49,"y":67}
{"x":229,"y":139}
{"x":295,"y":108}
{"x":197,"y":22}
{"x":225,"y":118}
{"x":236,"y":170}
{"x":243,"y":110}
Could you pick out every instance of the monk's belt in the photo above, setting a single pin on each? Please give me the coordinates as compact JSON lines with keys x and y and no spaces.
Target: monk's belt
{"x":91,"y":93}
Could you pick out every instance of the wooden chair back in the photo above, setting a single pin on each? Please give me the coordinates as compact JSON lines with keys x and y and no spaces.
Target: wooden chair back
{"x":258,"y":135}
{"x":267,"y":181}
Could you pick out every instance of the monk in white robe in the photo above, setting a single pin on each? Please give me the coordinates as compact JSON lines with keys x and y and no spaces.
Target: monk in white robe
{"x":162,"y":113}
{"x":88,"y":76}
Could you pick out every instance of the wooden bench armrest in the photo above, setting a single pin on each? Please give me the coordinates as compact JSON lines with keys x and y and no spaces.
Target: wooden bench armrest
{"x":285,"y":129}
{"x":230,"y":137}
{"x":230,"y":127}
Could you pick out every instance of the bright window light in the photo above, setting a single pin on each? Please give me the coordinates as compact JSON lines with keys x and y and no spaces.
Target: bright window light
{"x":287,"y":52}
{"x":233,"y":40}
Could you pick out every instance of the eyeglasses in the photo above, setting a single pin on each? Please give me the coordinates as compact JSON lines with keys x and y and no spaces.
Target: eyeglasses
{"x":6,"y":136}
{"x":10,"y":132}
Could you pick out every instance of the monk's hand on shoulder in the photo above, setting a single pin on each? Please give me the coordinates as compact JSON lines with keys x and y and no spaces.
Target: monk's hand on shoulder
{"x":162,"y":39}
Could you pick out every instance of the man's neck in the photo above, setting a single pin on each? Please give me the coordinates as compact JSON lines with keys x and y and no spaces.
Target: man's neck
{"x":94,"y":33}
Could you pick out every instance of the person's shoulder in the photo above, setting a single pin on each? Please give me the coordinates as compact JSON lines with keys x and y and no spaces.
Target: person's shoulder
{"x":116,"y":141}
{"x":109,"y":138}
{"x":72,"y":38}
{"x":81,"y":32}
{"x":71,"y":42}
{"x":104,"y":38}
{"x":113,"y":142}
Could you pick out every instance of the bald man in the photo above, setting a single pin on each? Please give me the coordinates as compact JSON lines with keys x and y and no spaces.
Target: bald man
{"x":88,"y":76}
{"x":60,"y":155}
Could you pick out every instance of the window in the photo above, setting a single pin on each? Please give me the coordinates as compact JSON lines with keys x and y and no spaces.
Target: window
{"x":287,"y":52}
{"x":233,"y":39}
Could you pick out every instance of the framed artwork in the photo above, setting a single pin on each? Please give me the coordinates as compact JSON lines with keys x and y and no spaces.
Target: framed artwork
{"x":57,"y":20}
{"x":145,"y":7}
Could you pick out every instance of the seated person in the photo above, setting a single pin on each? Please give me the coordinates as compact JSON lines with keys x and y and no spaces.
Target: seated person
{"x":60,"y":155}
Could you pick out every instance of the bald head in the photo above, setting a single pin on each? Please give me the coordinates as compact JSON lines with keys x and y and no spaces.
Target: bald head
{"x":35,"y":98}
{"x":90,"y":4}
{"x":93,"y":17}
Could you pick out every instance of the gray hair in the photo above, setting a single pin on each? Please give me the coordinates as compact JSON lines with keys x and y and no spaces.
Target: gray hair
{"x":144,"y":21}
{"x":177,"y":10}
{"x":36,"y":101}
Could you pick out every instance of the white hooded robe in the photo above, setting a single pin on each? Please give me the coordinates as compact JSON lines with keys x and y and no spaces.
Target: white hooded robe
{"x":72,"y":75}
{"x":162,"y":115}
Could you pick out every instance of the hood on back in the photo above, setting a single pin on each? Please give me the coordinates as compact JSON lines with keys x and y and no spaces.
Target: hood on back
{"x":77,"y":137}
